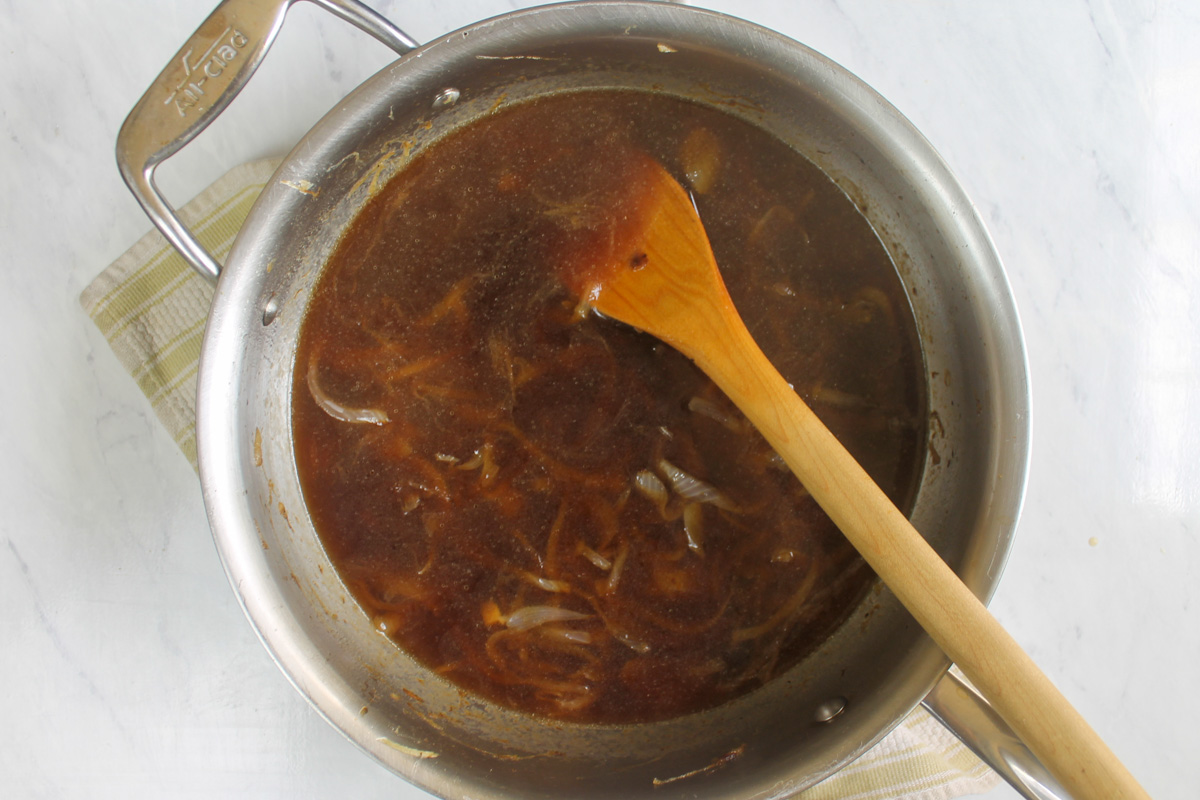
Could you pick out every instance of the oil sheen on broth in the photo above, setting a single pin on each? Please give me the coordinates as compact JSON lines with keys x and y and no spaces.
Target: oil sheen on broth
{"x":549,"y":508}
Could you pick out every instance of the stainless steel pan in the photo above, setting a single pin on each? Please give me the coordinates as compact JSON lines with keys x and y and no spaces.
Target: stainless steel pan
{"x":771,"y":743}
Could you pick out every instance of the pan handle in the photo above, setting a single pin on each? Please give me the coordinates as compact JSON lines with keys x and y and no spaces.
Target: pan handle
{"x":968,"y":716}
{"x":196,"y":86}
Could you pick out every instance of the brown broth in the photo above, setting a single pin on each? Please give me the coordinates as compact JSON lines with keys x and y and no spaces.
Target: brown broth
{"x":523,"y":522}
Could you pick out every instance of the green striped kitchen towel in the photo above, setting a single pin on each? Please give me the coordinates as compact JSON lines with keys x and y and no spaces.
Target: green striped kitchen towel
{"x":151,"y":306}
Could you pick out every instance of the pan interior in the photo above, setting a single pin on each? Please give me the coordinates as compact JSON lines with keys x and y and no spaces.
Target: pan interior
{"x":772,"y":742}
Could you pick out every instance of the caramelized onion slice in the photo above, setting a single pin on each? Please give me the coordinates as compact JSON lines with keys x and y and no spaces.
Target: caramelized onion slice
{"x":707,"y":408}
{"x":484,"y":457}
{"x":782,"y":615}
{"x":617,"y":568}
{"x":693,"y":527}
{"x":650,"y":487}
{"x":598,"y":560}
{"x":693,"y":489}
{"x":566,"y":635}
{"x":338,"y":411}
{"x":531,"y":616}
{"x":546,"y":584}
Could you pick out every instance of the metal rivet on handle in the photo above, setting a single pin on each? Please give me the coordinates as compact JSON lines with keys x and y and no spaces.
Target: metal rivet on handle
{"x":446,"y":98}
{"x":827,"y":711}
{"x":270,"y":310}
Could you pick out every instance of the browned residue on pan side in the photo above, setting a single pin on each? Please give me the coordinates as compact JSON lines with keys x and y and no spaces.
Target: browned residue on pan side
{"x":716,"y":764}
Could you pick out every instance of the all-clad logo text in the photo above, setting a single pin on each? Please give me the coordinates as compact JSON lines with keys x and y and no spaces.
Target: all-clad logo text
{"x":198,"y":71}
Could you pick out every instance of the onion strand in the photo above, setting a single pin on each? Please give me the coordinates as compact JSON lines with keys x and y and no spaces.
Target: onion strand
{"x":339,"y":411}
{"x":529,"y":617}
{"x":693,"y":489}
{"x":693,"y":527}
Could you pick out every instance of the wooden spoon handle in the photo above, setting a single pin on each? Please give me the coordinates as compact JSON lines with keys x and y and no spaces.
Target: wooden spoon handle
{"x":952,"y":615}
{"x":671,"y":288}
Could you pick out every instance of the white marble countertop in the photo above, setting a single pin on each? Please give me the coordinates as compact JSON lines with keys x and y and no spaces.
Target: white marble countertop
{"x":128,"y":668}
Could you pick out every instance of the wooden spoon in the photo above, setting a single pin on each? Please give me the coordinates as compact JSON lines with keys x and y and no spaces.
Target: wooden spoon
{"x":661,"y":277}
